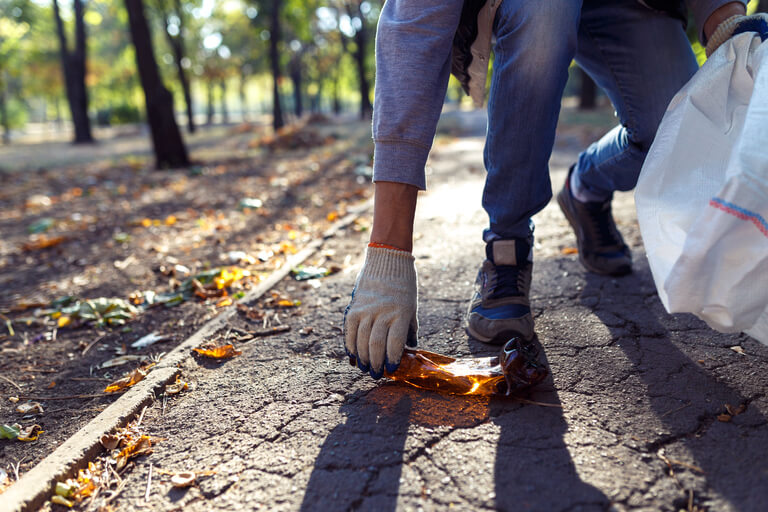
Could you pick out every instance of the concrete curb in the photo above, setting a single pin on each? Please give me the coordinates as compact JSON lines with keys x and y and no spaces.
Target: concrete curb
{"x":38,"y":484}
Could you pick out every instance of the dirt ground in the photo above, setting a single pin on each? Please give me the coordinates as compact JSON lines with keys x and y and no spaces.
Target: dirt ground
{"x":109,"y":227}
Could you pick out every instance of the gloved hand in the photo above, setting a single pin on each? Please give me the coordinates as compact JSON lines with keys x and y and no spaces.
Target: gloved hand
{"x":381,"y":316}
{"x":737,"y":25}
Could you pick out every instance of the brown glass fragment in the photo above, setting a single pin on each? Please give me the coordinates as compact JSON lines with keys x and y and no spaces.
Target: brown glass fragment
{"x":514,"y":369}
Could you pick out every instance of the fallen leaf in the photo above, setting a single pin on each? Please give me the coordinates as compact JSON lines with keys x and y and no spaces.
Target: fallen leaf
{"x":61,"y":500}
{"x":129,"y":380}
{"x":287,"y":303}
{"x":177,"y":387}
{"x":149,"y":339}
{"x":30,"y":407}
{"x":725,"y":418}
{"x":30,"y":433}
{"x":222,"y":352}
{"x":109,"y":441}
{"x":303,"y":273}
{"x":226,"y":301}
{"x":142,"y":446}
{"x":10,"y":431}
{"x":306,"y":331}
{"x":120,"y":360}
{"x":570,"y":250}
{"x":51,"y":385}
{"x":42,"y":242}
{"x":738,"y":349}
{"x":735,"y":411}
{"x":184,"y":479}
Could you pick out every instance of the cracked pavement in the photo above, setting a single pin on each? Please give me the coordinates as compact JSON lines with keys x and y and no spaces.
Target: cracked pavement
{"x":289,"y":425}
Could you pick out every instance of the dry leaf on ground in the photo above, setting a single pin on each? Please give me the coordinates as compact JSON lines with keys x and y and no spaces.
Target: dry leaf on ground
{"x":129,"y":380}
{"x":222,"y":352}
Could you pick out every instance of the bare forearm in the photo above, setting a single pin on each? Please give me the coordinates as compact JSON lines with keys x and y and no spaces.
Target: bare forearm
{"x":394,"y":206}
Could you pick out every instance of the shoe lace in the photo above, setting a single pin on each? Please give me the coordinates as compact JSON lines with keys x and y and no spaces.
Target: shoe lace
{"x":507,"y":281}
{"x":603,"y":226}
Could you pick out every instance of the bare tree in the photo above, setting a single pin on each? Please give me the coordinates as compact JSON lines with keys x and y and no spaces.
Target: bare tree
{"x":176,"y":42}
{"x":73,"y":67}
{"x":166,"y":138}
{"x":274,"y":60}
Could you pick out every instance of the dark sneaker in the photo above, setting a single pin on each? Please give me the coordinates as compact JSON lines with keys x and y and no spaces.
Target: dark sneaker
{"x":499,"y":309}
{"x":601,"y":248}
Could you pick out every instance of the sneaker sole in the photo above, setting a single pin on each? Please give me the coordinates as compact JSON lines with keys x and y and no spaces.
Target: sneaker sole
{"x":585,"y":264}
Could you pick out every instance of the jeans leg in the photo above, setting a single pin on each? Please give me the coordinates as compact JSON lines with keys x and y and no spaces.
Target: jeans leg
{"x":535,"y":43}
{"x":641,"y":58}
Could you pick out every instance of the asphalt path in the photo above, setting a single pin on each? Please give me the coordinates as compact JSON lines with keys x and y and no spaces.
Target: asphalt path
{"x":638,"y":396}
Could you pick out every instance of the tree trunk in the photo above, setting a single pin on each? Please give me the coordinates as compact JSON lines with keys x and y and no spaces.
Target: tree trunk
{"x":274,"y":58}
{"x":4,"y":121}
{"x":209,"y":100}
{"x":166,"y":138}
{"x":177,"y":46}
{"x":224,"y":111}
{"x":587,"y":92}
{"x":73,"y":66}
{"x":361,"y":41}
{"x":243,"y":98}
{"x":298,"y":107}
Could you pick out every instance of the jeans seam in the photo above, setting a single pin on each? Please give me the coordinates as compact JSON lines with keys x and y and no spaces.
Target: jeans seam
{"x":630,"y":111}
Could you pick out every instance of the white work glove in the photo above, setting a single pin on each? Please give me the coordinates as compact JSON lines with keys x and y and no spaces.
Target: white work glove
{"x":381,"y":316}
{"x":737,"y":25}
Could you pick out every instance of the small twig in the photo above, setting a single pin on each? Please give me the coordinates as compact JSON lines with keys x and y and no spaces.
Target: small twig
{"x":9,"y":381}
{"x":149,"y":483}
{"x":85,"y":379}
{"x":165,"y":401}
{"x":70,"y":397}
{"x":141,"y":417}
{"x":91,"y":344}
{"x":38,"y":370}
{"x":16,"y":468}
{"x":268,"y":332}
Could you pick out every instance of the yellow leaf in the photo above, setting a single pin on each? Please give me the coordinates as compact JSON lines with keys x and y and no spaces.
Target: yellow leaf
{"x":129,"y":380}
{"x":332,"y":216}
{"x":570,"y":250}
{"x":170,"y":220}
{"x":64,"y":321}
{"x":226,"y":301}
{"x":222,"y":352}
{"x":146,"y":222}
{"x":287,"y":303}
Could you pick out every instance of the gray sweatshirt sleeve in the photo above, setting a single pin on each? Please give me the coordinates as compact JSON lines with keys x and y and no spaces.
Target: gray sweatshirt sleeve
{"x":413,"y":62}
{"x":702,"y":9}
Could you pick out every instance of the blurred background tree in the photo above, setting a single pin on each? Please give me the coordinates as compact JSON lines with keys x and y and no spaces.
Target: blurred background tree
{"x":221,"y":61}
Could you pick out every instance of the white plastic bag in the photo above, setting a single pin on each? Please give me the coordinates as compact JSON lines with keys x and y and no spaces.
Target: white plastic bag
{"x":702,"y":196}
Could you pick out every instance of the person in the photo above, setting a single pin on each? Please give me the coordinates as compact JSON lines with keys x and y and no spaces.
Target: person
{"x":636,"y":51}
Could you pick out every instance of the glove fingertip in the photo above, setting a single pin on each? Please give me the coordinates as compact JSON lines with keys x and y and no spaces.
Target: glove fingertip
{"x":362,"y":366}
{"x":377,"y":374}
{"x":391,"y":367}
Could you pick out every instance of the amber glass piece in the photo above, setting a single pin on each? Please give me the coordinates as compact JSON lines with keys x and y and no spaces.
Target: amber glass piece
{"x":514,"y":369}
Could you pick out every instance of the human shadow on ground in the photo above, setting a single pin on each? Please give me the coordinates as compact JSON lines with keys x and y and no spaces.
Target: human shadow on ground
{"x":366,"y":462}
{"x":685,"y":397}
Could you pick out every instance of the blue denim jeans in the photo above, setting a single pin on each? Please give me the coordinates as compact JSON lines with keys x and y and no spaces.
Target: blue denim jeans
{"x":639,"y":57}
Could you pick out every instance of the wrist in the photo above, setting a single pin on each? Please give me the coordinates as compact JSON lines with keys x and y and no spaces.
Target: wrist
{"x":393,"y":213}
{"x":721,"y":14}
